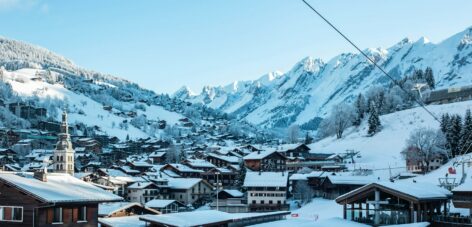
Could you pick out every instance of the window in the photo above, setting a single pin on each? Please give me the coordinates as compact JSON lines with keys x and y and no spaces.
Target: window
{"x":82,"y":215}
{"x":11,"y":214}
{"x":57,"y":215}
{"x":254,"y":202}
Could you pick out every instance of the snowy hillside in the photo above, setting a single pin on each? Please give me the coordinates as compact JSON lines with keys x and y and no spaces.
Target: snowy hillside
{"x":313,"y":86}
{"x":108,"y":104}
{"x":82,"y":108}
{"x":382,"y":150}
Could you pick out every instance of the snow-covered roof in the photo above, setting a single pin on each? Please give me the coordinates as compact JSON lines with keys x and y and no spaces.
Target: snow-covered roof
{"x":257,"y":155}
{"x":81,"y":175}
{"x":200,"y":163}
{"x":159,"y":203}
{"x":140,"y":185}
{"x":128,"y":169}
{"x":419,"y":191}
{"x":352,"y":180}
{"x":184,"y":168}
{"x":183,"y":183}
{"x":58,"y":188}
{"x":230,"y":159}
{"x":234,"y":193}
{"x":106,"y":209}
{"x":195,"y":218}
{"x":157,"y":154}
{"x":465,"y":187}
{"x":123,"y":221}
{"x":266,"y":179}
{"x":114,"y":172}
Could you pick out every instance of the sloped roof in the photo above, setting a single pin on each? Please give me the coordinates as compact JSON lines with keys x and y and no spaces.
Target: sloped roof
{"x":159,"y":203}
{"x":352,"y":180}
{"x":266,"y":179}
{"x":58,"y":188}
{"x":257,"y":155}
{"x":417,"y":191}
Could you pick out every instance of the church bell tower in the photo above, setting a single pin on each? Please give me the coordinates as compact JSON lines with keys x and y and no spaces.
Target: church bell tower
{"x":63,"y":157}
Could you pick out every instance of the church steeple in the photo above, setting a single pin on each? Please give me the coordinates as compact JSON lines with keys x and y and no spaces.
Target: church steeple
{"x":64,"y":154}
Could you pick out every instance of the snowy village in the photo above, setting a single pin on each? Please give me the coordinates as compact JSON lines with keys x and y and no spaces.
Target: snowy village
{"x":356,"y":136}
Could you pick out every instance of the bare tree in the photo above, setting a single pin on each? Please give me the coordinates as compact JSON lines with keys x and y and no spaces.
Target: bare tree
{"x":293,"y":133}
{"x":304,"y":191}
{"x":341,"y":118}
{"x":423,"y":146}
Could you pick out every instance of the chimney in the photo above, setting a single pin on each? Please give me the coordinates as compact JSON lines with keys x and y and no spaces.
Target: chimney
{"x":40,"y":175}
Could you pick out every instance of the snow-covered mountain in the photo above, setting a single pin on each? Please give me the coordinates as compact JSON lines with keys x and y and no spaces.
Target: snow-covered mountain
{"x":105,"y":103}
{"x":312,"y":86}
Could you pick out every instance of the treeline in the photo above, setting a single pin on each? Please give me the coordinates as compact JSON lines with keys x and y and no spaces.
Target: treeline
{"x":458,"y":132}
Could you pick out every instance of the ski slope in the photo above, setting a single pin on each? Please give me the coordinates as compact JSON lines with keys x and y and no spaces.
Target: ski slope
{"x":382,"y":151}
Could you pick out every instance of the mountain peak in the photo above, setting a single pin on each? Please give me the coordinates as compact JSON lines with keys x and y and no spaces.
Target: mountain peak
{"x":183,"y":93}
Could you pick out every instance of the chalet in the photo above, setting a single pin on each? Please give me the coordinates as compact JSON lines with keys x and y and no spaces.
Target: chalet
{"x":336,"y":185}
{"x":230,"y":201}
{"x":456,"y":94}
{"x":9,"y":137}
{"x":90,"y":144}
{"x":190,"y":191}
{"x":222,"y":160}
{"x":107,"y":108}
{"x":8,"y":152}
{"x":225,"y":176}
{"x":199,"y":164}
{"x":269,"y":160}
{"x":296,"y":151}
{"x":181,"y":170}
{"x":158,"y":157}
{"x":165,"y":206}
{"x":391,"y":203}
{"x":122,"y":209}
{"x":140,"y":166}
{"x":266,"y":191}
{"x":142,"y":192}
{"x":46,"y":199}
{"x":420,"y":167}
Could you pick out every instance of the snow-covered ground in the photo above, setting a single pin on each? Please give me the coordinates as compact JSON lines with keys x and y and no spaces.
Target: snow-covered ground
{"x":382,"y":151}
{"x":321,"y":213}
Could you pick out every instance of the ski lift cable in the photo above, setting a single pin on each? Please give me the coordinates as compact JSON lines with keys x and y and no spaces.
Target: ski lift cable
{"x":372,"y":61}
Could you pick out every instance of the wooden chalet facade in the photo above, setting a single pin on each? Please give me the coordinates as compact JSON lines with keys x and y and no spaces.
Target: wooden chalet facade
{"x":265,"y":161}
{"x":49,"y":200}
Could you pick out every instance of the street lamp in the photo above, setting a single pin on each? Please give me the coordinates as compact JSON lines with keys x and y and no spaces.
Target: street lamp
{"x":217,"y":187}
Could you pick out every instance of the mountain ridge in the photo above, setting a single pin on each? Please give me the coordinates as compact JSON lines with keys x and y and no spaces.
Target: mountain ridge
{"x":312,"y":86}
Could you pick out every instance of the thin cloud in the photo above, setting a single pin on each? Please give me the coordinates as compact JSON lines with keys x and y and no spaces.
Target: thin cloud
{"x":12,"y":5}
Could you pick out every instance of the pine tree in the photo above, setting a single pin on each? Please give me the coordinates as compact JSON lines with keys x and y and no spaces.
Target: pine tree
{"x":429,"y":77}
{"x":308,"y":138}
{"x":418,"y":75}
{"x":466,"y":140}
{"x":445,"y":121}
{"x":454,"y":134}
{"x":374,"y":122}
{"x":360,"y":108}
{"x":127,"y":137}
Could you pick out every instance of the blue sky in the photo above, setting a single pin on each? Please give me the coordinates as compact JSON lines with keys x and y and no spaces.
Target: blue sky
{"x":165,"y":44}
